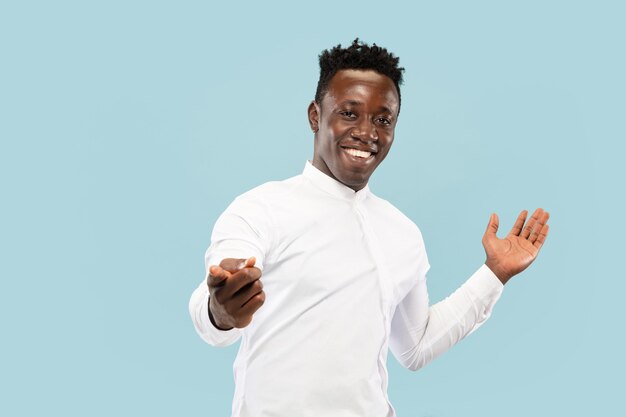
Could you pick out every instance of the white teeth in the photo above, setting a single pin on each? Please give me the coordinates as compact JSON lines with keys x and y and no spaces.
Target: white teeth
{"x":359,"y":154}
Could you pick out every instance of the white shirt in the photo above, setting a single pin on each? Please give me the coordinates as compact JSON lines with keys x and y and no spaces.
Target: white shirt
{"x":344,"y":274}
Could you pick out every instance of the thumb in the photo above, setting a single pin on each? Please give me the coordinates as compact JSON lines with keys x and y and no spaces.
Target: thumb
{"x":492,"y":226}
{"x":249,"y":262}
{"x":217,"y":275}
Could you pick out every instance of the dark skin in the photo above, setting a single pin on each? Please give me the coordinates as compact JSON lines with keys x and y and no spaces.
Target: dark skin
{"x":236,"y":293}
{"x":359,"y":112}
{"x":354,"y":129}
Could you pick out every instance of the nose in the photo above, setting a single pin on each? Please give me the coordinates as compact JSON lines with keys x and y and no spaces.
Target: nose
{"x":365,"y":131}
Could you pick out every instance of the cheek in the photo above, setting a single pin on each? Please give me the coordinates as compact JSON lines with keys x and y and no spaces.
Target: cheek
{"x":340,"y":130}
{"x":338,"y":127}
{"x":386,"y":146}
{"x":386,"y":140}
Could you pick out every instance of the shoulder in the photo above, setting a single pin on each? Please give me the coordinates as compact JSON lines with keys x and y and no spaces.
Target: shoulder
{"x":260,"y":200}
{"x":255,"y":209}
{"x":270,"y":191}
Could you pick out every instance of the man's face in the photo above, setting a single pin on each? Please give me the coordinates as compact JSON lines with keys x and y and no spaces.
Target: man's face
{"x":354,"y":125}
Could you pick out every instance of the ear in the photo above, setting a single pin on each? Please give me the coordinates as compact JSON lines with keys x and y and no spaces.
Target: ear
{"x":313,"y":113}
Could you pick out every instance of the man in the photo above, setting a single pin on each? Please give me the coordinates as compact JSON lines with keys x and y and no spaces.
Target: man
{"x":320,"y":278}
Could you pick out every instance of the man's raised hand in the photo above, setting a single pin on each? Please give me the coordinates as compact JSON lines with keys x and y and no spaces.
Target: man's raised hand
{"x":236,"y":292}
{"x":511,"y":255}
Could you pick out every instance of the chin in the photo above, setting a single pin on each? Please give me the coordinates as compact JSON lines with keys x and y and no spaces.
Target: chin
{"x":353,"y":182}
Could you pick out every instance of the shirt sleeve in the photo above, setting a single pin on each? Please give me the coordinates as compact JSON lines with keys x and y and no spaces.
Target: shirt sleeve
{"x":242,"y":231}
{"x":420,"y":333}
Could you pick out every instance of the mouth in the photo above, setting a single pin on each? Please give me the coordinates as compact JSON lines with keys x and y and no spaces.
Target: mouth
{"x":359,"y":154}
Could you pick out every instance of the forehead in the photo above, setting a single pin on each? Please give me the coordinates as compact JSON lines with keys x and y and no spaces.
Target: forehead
{"x":363,"y":86}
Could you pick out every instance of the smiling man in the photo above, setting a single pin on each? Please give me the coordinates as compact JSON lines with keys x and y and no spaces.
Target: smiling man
{"x":320,"y":278}
{"x":354,"y":131}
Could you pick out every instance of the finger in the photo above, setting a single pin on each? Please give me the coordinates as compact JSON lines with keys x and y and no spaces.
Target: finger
{"x":249,"y":262}
{"x":246,"y":263}
{"x":531,"y":222}
{"x":492,"y":226}
{"x":253,"y":304}
{"x":217,"y":276}
{"x":235,"y":264}
{"x":543,"y":219}
{"x":543,"y":234}
{"x":238,"y":280}
{"x":244,"y":314}
{"x":248,"y":291}
{"x":519,"y":223}
{"x":232,"y":265}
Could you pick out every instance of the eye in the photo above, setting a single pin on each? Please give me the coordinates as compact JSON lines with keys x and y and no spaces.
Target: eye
{"x":384,"y":121}
{"x":348,"y":114}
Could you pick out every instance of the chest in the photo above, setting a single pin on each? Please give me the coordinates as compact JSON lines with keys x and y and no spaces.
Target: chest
{"x":344,"y":251}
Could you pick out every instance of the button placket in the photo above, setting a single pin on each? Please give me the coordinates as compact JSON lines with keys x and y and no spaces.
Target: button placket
{"x":374,"y":251}
{"x":385,"y":292}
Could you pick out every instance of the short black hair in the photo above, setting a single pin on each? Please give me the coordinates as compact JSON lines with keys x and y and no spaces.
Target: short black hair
{"x":359,"y":55}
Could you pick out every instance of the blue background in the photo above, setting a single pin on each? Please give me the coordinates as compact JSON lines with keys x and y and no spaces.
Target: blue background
{"x":127,"y":127}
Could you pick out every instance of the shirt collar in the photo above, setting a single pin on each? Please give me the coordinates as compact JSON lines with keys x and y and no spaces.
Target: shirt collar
{"x":331,"y":185}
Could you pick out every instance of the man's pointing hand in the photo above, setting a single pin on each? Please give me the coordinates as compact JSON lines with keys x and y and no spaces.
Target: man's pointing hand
{"x":236,"y":292}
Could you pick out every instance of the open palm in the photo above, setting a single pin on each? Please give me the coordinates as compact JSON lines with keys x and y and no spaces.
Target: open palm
{"x":510,"y":256}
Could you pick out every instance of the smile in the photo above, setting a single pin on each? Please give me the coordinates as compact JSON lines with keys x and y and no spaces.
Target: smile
{"x":357,"y":153}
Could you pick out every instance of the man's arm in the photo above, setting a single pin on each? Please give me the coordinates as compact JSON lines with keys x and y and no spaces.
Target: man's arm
{"x":420,"y":333}
{"x":226,"y":300}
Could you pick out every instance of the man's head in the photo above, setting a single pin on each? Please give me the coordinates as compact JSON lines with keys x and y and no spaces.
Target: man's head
{"x":355,"y":111}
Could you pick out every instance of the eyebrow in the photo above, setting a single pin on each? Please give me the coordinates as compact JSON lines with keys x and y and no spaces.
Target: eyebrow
{"x":358,"y":103}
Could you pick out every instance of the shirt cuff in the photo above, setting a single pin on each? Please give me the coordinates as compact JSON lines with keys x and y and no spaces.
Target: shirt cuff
{"x":486,"y":286}
{"x":488,"y":279}
{"x":199,"y":310}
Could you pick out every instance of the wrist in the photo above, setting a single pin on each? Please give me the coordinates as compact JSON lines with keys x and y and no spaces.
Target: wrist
{"x":214,"y":322}
{"x":502,"y":275}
